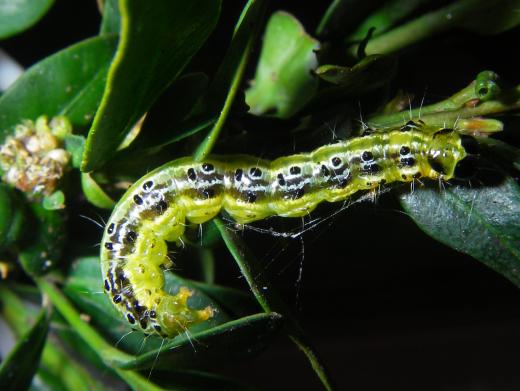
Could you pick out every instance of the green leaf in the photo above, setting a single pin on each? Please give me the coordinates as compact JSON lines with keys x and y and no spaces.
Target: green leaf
{"x":54,"y":201}
{"x":42,"y":250}
{"x":192,"y":380}
{"x":84,"y":286}
{"x":169,"y":120}
{"x":111,"y":22}
{"x":228,"y":341}
{"x":74,"y":144}
{"x":94,"y":193}
{"x":484,"y":17}
{"x":370,"y":73}
{"x":385,"y":17}
{"x":68,"y":83}
{"x":18,"y":368}
{"x":283,"y":82}
{"x":496,"y":17}
{"x":157,"y":41}
{"x":17,"y":16}
{"x":481,"y":221}
{"x":14,"y":216}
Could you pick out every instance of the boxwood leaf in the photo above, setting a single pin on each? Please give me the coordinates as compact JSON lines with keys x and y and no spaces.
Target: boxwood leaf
{"x":68,"y":83}
{"x":18,"y":368}
{"x":481,"y":221}
{"x":157,"y":41}
{"x":17,"y":16}
{"x":84,"y":286}
{"x":283,"y":81}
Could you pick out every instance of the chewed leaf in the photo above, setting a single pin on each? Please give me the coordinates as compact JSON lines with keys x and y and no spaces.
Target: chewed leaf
{"x":283,"y":82}
{"x":481,"y":221}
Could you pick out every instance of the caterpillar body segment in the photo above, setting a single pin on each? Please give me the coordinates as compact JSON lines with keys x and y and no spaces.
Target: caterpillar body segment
{"x":157,"y":207}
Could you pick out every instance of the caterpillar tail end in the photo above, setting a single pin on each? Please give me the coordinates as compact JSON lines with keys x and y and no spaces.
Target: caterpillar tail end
{"x":176,"y":316}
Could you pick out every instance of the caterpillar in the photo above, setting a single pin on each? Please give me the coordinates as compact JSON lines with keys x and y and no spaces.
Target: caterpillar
{"x":156,"y":208}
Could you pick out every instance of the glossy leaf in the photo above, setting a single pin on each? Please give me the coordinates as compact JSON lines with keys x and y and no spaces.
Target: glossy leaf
{"x":157,"y":41}
{"x":481,"y":221}
{"x":229,"y":341}
{"x":169,"y":119}
{"x":18,"y":368}
{"x":68,"y":83}
{"x":17,"y":16}
{"x":111,"y":21}
{"x":84,"y":287}
{"x":94,"y":193}
{"x":283,"y":81}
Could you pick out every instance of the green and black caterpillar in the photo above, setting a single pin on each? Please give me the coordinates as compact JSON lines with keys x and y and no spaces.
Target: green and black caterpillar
{"x":156,"y":208}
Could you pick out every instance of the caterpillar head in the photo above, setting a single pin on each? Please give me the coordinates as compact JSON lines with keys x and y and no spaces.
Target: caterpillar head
{"x":174,"y":315}
{"x":446,"y":150}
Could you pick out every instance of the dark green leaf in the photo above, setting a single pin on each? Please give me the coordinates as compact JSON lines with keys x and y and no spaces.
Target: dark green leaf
{"x":17,"y":16}
{"x":168,"y":120}
{"x":17,"y":370}
{"x":13,"y":216}
{"x":370,"y":73}
{"x":385,"y":17}
{"x":495,"y":17}
{"x":68,"y":83}
{"x":111,"y":22}
{"x":84,"y":287}
{"x":481,"y":221}
{"x":191,"y":380}
{"x":234,"y":301}
{"x":231,"y":341}
{"x":283,"y":81}
{"x":42,"y":250}
{"x":158,"y":40}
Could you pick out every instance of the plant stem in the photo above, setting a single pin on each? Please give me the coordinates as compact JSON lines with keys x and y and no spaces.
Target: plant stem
{"x":423,"y":27}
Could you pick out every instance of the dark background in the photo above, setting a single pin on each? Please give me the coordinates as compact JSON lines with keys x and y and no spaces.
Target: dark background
{"x":388,"y":307}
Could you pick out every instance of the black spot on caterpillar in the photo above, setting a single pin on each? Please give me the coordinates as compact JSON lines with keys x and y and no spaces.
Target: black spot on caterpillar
{"x":155,"y":209}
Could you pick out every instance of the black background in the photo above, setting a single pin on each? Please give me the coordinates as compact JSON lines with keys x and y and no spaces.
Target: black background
{"x":388,"y":307}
